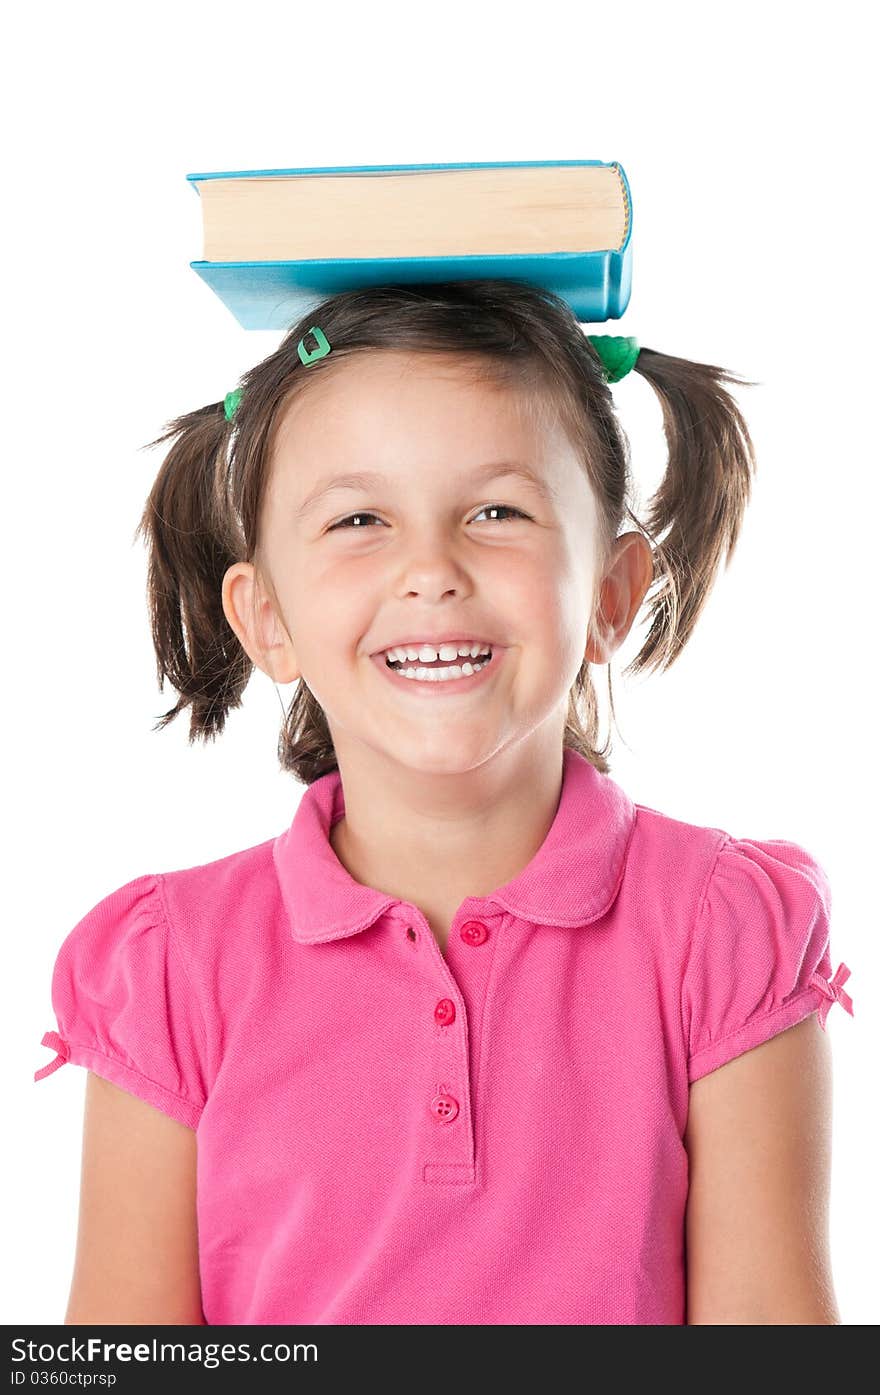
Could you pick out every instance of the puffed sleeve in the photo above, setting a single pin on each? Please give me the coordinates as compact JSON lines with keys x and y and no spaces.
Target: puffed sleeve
{"x":125,"y":1009}
{"x":759,"y":960}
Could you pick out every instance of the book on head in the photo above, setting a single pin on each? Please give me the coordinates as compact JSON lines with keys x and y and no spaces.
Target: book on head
{"x":276,"y":242}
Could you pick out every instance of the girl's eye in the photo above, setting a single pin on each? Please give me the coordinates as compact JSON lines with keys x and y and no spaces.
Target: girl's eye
{"x":502,"y":508}
{"x":344,"y":522}
{"x":496,"y":508}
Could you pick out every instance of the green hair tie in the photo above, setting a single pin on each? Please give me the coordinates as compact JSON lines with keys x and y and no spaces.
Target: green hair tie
{"x":617,"y":352}
{"x":230,"y":402}
{"x":307,"y":356}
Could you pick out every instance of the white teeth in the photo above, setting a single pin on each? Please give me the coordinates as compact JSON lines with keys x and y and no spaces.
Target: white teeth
{"x":440,"y":675}
{"x":427,"y":654}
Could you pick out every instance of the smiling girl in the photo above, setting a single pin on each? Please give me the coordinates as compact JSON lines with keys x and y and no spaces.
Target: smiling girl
{"x":477,"y":1039}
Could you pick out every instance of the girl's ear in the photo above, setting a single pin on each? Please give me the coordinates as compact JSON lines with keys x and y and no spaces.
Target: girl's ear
{"x":628,"y":574}
{"x":255,"y":621}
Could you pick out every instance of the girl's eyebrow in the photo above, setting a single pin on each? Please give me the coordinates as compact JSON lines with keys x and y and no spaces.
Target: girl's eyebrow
{"x":371,"y":479}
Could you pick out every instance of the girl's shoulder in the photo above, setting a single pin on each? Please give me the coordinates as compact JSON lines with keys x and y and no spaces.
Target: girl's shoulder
{"x":749,"y":923}
{"x":698,"y":859}
{"x":235,"y":897}
{"x":142,"y":980}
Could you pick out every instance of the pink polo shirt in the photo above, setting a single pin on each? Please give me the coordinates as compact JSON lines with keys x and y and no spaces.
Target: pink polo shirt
{"x":388,"y":1134}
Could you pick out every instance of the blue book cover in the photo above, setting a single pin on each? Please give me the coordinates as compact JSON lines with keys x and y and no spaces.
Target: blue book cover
{"x":274,"y":294}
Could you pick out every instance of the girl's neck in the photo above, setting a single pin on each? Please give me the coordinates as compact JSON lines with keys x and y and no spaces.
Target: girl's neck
{"x":437,"y":862}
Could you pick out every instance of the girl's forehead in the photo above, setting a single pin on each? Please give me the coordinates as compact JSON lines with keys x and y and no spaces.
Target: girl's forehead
{"x":409,"y":456}
{"x":390,"y":370}
{"x":389,"y":389}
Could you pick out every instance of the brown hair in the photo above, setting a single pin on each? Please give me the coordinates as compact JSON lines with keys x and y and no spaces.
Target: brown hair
{"x":203,"y":512}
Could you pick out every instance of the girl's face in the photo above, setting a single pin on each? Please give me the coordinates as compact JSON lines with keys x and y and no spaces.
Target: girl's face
{"x":440,"y":543}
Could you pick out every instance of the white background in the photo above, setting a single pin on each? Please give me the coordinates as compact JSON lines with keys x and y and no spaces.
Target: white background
{"x":744,"y":132}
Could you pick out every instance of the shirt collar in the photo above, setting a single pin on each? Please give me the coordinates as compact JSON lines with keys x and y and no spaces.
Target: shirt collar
{"x":572,"y":879}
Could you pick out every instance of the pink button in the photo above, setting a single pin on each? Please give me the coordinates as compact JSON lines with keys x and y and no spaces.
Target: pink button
{"x":444,"y":1108}
{"x":444,"y":1012}
{"x":474,"y":932}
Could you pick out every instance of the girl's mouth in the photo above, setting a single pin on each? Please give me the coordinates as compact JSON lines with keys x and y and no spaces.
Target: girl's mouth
{"x":438,"y":687}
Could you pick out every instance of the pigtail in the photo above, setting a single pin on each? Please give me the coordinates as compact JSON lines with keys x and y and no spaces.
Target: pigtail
{"x":191,"y":539}
{"x":701,"y":500}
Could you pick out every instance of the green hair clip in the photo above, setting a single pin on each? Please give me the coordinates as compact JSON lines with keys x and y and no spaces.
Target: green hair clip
{"x":617,"y":352}
{"x":321,"y":350}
